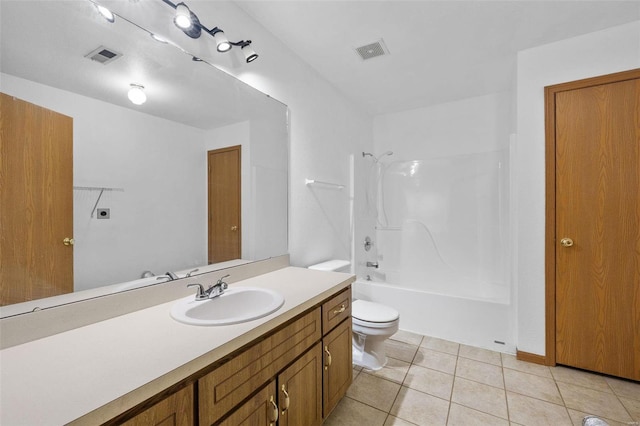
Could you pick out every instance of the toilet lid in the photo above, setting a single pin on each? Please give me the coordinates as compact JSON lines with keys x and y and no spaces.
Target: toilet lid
{"x":373,"y":312}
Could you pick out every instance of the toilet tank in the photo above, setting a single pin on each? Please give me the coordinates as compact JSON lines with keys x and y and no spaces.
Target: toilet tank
{"x":333,"y":265}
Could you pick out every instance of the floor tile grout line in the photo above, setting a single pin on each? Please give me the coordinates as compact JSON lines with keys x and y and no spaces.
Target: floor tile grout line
{"x":453,"y":385}
{"x":504,"y":384}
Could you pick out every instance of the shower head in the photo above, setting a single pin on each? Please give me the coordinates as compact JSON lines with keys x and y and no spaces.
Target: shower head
{"x":376,"y":159}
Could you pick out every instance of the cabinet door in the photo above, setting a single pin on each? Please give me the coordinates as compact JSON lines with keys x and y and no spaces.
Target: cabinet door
{"x":174,"y":410}
{"x":261,"y":410}
{"x":338,"y":371}
{"x":300,"y":390}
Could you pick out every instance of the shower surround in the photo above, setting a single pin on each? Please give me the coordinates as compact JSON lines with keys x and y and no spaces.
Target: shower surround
{"x":441,"y":240}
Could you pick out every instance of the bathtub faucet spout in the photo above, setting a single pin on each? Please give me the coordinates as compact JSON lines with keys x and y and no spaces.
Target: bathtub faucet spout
{"x":372,"y":264}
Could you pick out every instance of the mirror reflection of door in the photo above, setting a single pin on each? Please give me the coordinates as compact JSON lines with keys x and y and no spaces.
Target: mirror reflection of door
{"x":224,"y":204}
{"x":36,"y":202}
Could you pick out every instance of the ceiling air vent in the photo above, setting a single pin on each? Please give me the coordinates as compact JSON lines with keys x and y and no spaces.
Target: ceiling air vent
{"x":372,"y":50}
{"x":103,"y":55}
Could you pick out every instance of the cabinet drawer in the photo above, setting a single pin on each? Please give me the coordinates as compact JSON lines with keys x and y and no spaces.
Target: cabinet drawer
{"x":335,"y":310}
{"x":230,"y":383}
{"x":260,"y":410}
{"x":176,"y":409}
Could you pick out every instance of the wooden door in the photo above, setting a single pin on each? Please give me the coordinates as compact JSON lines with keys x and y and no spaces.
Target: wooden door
{"x":597,"y":231}
{"x":300,"y":390}
{"x":36,"y":201}
{"x":338,"y":368}
{"x":224,"y":204}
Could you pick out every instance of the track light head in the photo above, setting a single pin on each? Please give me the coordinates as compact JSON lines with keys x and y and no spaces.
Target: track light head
{"x":105,"y":13}
{"x":187,"y":21}
{"x":136,"y":94}
{"x":250,"y":55}
{"x":183,"y":17}
{"x":222,"y":43}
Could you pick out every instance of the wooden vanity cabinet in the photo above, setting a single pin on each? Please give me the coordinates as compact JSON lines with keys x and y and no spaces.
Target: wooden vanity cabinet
{"x":307,"y":390}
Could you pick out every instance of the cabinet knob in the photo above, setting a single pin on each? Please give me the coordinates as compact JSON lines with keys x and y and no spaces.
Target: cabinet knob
{"x":234,"y":228}
{"x":285,"y":403}
{"x":341,"y":310}
{"x":273,"y":415}
{"x":68,"y":241}
{"x":328,"y":362}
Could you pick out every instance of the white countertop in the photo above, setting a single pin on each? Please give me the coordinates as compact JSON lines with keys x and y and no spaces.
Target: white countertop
{"x":93,"y":373}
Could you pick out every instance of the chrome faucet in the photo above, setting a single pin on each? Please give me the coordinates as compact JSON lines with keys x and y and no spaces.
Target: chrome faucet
{"x":213,"y":291}
{"x":172,"y":276}
{"x":372,"y":264}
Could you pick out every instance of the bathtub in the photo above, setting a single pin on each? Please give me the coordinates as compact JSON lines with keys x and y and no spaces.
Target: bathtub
{"x":471,"y":321}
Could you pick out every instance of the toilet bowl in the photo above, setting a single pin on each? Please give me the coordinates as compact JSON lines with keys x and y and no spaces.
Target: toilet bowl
{"x":373,"y":324}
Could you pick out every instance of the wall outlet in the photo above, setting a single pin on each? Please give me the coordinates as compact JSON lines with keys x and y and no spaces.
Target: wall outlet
{"x":104,"y":213}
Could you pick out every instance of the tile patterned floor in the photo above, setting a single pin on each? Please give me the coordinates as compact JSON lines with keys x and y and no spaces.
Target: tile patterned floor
{"x":430,"y":381}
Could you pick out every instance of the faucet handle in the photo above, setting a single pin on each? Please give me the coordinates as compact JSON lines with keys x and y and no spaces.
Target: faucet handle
{"x":221,"y":283}
{"x":201,"y":294}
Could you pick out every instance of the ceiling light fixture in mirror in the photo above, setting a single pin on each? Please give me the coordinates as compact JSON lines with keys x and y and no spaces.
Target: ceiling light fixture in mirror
{"x":190,"y":24}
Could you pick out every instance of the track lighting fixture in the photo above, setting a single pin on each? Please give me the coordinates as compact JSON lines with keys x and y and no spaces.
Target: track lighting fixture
{"x":136,"y":94}
{"x":189,"y":23}
{"x":105,"y":13}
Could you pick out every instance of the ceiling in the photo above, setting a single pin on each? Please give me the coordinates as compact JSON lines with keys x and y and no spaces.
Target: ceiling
{"x":440,"y":51}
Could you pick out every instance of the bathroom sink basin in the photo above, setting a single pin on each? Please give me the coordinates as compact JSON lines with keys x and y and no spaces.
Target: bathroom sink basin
{"x":234,"y":306}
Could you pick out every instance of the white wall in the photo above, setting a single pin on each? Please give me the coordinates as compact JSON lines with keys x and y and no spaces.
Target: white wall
{"x":603,"y":52}
{"x":469,"y":126}
{"x":156,"y":223}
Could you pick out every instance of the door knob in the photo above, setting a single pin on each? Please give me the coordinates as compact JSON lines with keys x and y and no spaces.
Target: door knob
{"x":234,"y":228}
{"x":68,"y":241}
{"x":566,"y":242}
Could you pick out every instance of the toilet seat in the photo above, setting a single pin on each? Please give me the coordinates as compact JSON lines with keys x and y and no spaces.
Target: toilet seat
{"x":371,"y":325}
{"x":375,"y":315}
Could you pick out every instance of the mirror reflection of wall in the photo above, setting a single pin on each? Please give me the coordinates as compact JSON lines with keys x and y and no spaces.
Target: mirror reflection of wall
{"x":155,"y":157}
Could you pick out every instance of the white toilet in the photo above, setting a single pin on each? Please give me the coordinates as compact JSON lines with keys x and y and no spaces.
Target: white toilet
{"x":373,"y":323}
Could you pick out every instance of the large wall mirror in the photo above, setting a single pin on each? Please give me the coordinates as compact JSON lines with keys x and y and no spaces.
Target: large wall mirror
{"x":147,"y":164}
